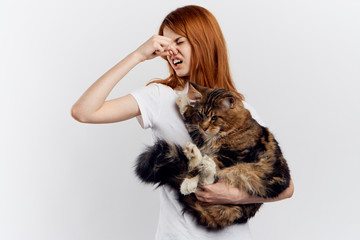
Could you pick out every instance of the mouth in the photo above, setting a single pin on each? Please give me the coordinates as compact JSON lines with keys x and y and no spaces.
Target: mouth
{"x":206,"y":133}
{"x":177,"y":62}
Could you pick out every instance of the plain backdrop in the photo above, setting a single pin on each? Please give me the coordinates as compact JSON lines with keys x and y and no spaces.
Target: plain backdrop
{"x":296,"y":62}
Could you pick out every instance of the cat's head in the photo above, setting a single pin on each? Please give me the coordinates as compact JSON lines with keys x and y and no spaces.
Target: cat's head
{"x":216,"y":111}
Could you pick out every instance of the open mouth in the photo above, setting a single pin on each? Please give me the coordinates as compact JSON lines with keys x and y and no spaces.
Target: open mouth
{"x":177,"y":62}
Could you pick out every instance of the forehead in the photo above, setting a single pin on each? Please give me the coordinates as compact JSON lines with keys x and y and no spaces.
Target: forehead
{"x":167,"y":32}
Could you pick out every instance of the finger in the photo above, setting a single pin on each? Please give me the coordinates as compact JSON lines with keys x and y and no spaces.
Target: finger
{"x":173,"y":49}
{"x":200,"y":198}
{"x":204,"y":188}
{"x":199,"y":194}
{"x":167,"y":44}
{"x":202,"y":194}
{"x":164,"y":53}
{"x":203,"y":199}
{"x":163,"y":38}
{"x":158,"y":49}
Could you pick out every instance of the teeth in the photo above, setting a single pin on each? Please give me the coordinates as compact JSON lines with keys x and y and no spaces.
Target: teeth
{"x":177,"y":61}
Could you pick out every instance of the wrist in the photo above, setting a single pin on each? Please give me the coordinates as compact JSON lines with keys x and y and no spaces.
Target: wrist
{"x":241,"y":197}
{"x":138,"y":57}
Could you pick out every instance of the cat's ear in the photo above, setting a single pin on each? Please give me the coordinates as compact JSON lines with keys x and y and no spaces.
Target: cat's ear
{"x":198,"y":87}
{"x":196,"y":91}
{"x":228,"y":102}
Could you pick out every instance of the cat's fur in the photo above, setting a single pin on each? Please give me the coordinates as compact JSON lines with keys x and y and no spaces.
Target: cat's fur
{"x":228,"y":144}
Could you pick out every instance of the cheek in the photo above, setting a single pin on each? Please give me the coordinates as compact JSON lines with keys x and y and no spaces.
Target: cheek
{"x":187,"y":53}
{"x":189,"y":59}
{"x":169,"y":61}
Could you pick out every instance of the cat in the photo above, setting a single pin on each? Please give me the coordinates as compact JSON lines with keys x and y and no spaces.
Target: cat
{"x":228,"y":144}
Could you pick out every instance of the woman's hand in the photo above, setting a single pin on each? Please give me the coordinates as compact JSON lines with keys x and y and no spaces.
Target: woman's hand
{"x":156,"y":46}
{"x":92,"y":106}
{"x":221,"y":193}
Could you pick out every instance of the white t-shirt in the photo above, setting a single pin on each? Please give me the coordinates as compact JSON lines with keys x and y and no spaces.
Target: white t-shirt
{"x":160,"y":113}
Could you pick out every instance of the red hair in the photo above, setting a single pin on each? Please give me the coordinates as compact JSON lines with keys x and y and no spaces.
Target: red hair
{"x":209,"y":59}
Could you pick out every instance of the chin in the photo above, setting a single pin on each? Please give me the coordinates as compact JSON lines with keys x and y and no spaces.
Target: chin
{"x":210,"y":134}
{"x":182,"y":74}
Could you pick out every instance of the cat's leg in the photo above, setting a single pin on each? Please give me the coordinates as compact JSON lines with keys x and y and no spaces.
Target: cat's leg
{"x":207,"y":170}
{"x":219,"y":216}
{"x":182,"y":101}
{"x":194,"y":155}
{"x":190,"y":183}
{"x":213,"y":216}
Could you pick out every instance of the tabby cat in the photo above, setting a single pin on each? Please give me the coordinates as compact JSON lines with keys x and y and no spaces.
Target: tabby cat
{"x":228,"y":144}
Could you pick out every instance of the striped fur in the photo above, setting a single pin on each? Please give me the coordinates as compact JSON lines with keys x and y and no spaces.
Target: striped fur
{"x":245,"y":155}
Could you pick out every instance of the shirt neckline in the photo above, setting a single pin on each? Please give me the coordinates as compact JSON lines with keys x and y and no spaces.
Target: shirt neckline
{"x":184,"y":91}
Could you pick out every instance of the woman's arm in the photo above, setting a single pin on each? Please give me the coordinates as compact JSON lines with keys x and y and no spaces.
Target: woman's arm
{"x":221,"y":193}
{"x":92,"y":106}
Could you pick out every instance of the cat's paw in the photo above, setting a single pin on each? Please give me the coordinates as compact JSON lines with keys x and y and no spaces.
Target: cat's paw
{"x":207,"y":169}
{"x":193,"y":154}
{"x":189,"y":185}
{"x":182,"y":101}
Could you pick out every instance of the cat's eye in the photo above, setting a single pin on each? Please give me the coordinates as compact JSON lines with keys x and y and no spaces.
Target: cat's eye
{"x":214,"y":118}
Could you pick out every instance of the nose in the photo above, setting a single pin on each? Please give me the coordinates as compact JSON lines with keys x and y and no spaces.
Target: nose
{"x":204,"y":126}
{"x":174,"y":49}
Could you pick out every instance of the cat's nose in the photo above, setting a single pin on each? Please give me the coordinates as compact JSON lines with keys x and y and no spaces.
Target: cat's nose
{"x":204,"y":126}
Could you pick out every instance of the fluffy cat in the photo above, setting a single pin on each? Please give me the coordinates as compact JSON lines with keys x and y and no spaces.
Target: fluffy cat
{"x":228,"y":144}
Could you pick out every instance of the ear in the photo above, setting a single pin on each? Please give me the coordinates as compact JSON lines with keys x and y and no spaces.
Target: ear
{"x":195,"y":92}
{"x":228,"y":102}
{"x":199,"y":88}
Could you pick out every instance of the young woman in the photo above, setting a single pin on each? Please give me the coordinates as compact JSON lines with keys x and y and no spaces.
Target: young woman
{"x":191,"y":41}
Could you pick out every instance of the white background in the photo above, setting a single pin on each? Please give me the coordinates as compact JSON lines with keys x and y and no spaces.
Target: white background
{"x":296,"y":62}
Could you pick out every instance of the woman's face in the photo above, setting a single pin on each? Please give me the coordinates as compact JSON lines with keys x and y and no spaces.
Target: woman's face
{"x":180,"y":61}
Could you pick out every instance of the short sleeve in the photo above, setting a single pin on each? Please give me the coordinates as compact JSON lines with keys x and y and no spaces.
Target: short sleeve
{"x":149,"y":101}
{"x":253,"y":113}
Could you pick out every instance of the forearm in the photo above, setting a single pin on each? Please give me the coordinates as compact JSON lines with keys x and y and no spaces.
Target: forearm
{"x":287,"y":193}
{"x":95,"y":96}
{"x":221,"y":193}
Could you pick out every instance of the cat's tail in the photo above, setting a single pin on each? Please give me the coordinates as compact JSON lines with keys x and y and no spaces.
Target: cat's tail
{"x":162,"y":163}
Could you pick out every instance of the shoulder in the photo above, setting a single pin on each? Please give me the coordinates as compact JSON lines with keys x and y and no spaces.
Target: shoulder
{"x":151,"y":100}
{"x":154,"y":90}
{"x":150,"y":89}
{"x":162,"y":88}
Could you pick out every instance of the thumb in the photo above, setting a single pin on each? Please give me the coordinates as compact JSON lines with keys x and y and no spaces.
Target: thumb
{"x":205,"y":188}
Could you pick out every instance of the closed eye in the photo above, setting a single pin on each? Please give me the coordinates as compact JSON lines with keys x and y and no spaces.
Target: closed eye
{"x":180,"y":40}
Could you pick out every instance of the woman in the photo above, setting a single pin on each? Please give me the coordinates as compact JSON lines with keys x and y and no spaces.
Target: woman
{"x":191,"y":41}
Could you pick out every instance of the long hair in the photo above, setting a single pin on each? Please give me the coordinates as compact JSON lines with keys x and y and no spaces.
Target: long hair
{"x":209,"y":59}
